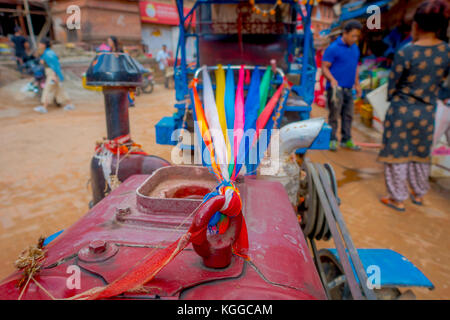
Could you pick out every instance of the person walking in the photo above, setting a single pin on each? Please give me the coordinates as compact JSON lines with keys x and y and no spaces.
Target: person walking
{"x":163,"y":60}
{"x":340,"y":67}
{"x":415,"y":81}
{"x":113,"y":44}
{"x":53,"y":88}
{"x":20,"y":47}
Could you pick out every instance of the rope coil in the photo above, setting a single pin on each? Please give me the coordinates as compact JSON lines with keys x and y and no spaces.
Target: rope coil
{"x":30,"y":262}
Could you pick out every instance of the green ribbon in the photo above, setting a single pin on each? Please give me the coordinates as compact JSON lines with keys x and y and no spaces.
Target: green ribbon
{"x":264,"y":89}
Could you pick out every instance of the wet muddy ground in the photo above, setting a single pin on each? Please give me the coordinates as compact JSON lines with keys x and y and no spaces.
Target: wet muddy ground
{"x":44,"y":175}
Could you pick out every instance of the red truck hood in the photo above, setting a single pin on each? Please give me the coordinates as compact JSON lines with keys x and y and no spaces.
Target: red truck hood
{"x":280,"y":265}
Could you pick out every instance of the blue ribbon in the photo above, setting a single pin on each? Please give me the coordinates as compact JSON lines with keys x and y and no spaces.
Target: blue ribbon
{"x":229,"y":101}
{"x":251,"y":114}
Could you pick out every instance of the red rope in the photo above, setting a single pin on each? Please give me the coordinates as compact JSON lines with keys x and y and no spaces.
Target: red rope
{"x":121,"y":145}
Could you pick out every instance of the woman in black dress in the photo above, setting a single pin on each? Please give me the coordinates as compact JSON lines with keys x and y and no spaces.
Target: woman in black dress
{"x":417,"y":75}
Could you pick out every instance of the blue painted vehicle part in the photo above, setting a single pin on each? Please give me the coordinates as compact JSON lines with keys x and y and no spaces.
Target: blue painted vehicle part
{"x":395,"y":269}
{"x":164,"y":129}
{"x":187,"y":147}
{"x":52,"y":237}
{"x":322,"y":142}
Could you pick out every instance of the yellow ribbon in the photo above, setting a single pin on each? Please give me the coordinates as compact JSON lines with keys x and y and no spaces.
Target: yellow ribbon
{"x":220,"y":103}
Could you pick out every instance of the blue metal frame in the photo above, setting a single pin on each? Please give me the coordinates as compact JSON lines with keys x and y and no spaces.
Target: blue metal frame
{"x":308,"y":70}
{"x":181,"y":71}
{"x":305,"y":88}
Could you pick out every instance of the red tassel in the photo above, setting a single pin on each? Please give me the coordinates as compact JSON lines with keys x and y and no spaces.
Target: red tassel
{"x":144,"y":271}
{"x":247,"y":77}
{"x":241,"y":245}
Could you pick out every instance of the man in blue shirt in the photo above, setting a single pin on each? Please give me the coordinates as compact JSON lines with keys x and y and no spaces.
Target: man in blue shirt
{"x":340,"y":67}
{"x":53,"y":88}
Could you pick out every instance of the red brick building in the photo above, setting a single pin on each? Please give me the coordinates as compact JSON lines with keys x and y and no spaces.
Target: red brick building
{"x":99,"y":19}
{"x":146,"y":24}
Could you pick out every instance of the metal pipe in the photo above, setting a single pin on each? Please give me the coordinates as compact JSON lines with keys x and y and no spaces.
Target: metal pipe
{"x":306,"y":45}
{"x":116,"y":111}
{"x":191,"y":11}
{"x":298,"y":135}
{"x":182,"y":41}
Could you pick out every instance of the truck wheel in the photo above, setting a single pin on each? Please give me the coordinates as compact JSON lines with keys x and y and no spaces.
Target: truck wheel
{"x":334,"y":280}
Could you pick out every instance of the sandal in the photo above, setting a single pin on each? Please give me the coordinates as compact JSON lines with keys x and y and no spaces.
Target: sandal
{"x":391,"y":204}
{"x":415,"y":201}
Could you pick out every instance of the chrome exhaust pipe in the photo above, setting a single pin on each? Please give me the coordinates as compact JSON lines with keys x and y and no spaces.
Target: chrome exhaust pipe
{"x":282,"y":167}
{"x":299,"y":135}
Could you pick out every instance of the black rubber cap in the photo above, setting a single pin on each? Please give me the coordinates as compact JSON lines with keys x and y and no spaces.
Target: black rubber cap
{"x":113,"y":70}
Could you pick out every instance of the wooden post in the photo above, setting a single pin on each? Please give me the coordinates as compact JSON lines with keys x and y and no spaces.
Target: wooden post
{"x":21,"y":21}
{"x":30,"y":25}
{"x":47,"y":25}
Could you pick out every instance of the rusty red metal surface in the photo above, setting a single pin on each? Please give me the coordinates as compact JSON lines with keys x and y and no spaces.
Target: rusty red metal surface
{"x":122,"y":229}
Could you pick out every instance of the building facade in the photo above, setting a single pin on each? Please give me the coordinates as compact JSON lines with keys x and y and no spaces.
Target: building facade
{"x":322,"y":16}
{"x":160,"y":25}
{"x":146,"y":24}
{"x":99,"y":20}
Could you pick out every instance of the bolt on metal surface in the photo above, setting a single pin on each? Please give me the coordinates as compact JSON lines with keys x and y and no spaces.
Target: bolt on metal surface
{"x":97,"y":246}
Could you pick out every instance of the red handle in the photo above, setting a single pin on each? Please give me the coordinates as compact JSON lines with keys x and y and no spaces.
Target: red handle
{"x":216,"y":250}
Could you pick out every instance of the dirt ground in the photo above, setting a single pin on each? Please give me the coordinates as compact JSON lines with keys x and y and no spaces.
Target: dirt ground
{"x":44,"y":177}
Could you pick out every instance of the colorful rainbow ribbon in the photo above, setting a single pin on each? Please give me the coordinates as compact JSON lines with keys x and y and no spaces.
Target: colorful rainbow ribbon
{"x":213,"y":125}
{"x":204,"y":130}
{"x":251,"y":115}
{"x":210,"y":120}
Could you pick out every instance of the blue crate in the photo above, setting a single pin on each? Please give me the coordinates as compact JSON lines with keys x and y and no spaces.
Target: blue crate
{"x":164,"y":129}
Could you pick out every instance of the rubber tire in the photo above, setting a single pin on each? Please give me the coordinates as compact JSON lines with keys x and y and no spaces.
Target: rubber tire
{"x":310,"y":217}
{"x":333,"y":269}
{"x":320,"y":215}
